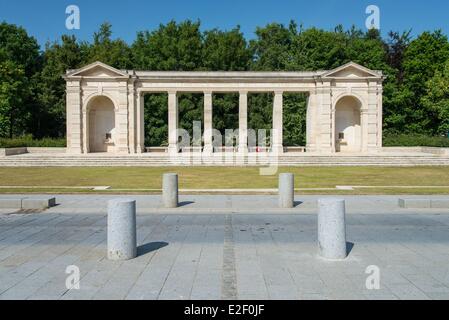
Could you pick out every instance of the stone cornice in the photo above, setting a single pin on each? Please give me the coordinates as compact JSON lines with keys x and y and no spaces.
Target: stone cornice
{"x":104,"y":73}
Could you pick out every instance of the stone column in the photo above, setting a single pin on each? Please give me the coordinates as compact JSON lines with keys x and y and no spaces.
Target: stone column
{"x":324,"y":119}
{"x":333,"y":126}
{"x":277,"y":136}
{"x":379,"y":118}
{"x":208,"y":148}
{"x":132,"y":117}
{"x":85,"y":128}
{"x":243,"y":122}
{"x":373,"y":124}
{"x":140,"y":125}
{"x":311,"y":125}
{"x":122,"y":239}
{"x":74,"y":117}
{"x":364,"y":117}
{"x":173,"y":147}
{"x":122,"y":128}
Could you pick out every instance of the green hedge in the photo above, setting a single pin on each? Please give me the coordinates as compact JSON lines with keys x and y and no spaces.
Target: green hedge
{"x":28,"y":141}
{"x":406,"y":140}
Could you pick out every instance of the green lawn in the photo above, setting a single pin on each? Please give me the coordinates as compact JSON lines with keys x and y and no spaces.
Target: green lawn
{"x":132,"y":179}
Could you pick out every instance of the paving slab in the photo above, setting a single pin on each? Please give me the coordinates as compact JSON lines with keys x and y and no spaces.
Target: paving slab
{"x":224,"y":255}
{"x":440,"y":203}
{"x":11,"y":203}
{"x":415,"y":203}
{"x":207,"y":204}
{"x":38,"y":203}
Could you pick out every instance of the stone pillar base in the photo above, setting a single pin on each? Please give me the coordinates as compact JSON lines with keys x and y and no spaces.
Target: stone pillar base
{"x":122,"y":150}
{"x":242,"y":150}
{"x":208,"y":150}
{"x":325,"y":149}
{"x":276,"y":149}
{"x":74,"y":151}
{"x":310,"y":148}
{"x":173,"y":149}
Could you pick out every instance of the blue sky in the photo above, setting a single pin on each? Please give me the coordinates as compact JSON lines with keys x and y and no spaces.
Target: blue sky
{"x":45,"y":19}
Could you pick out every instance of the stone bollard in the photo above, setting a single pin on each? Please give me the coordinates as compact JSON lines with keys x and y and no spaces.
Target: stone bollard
{"x":170,"y":190}
{"x":332,"y":229}
{"x":286,"y":190}
{"x":122,"y":239}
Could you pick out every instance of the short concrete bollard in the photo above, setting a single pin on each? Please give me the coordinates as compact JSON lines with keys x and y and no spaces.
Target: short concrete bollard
{"x":286,"y":190}
{"x":170,"y":190}
{"x":332,"y":229}
{"x":122,"y":239}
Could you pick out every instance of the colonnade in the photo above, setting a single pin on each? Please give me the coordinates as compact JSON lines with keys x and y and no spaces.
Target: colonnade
{"x":242,"y":145}
{"x":344,"y":108}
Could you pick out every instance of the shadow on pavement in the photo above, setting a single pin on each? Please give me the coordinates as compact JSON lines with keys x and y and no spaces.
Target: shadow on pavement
{"x":297,"y":203}
{"x":150,"y":247}
{"x":185,"y":203}
{"x":349,"y":246}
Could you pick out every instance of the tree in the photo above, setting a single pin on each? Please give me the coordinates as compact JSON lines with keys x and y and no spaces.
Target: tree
{"x":260,"y":111}
{"x":32,"y":92}
{"x":172,"y":47}
{"x":315,"y":49}
{"x":396,"y":95}
{"x":13,"y":89}
{"x":115,"y":53}
{"x":397,"y":44}
{"x":226,"y":51}
{"x":423,"y":57}
{"x":436,"y":100}
{"x":19,"y":63}
{"x":225,"y":111}
{"x":294,"y":119}
{"x":272,"y":51}
{"x":58,"y":57}
{"x":271,"y":48}
{"x":16,"y":45}
{"x":156,"y":120}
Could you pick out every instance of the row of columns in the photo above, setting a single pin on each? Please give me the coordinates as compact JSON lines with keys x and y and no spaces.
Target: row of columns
{"x":320,"y":121}
{"x":173,"y":122}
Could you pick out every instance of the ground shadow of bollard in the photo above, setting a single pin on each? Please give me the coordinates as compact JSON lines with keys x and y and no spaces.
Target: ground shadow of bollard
{"x":349,"y":246}
{"x":150,"y":247}
{"x":185,"y":203}
{"x":297,"y":203}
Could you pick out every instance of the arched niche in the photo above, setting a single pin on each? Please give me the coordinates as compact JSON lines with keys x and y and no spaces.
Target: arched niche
{"x":101,"y":120}
{"x":348,"y":130}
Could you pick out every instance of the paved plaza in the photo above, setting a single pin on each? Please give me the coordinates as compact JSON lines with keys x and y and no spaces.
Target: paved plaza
{"x":224,"y":247}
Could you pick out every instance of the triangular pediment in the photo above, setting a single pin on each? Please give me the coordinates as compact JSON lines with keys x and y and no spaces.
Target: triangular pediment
{"x":352,"y":70}
{"x":97,"y":70}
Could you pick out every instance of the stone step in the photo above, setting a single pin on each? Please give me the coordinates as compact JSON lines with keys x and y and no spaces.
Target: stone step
{"x":151,"y":164}
{"x":41,"y":160}
{"x":280,"y":160}
{"x":217,"y":162}
{"x":48,"y":156}
{"x":211,"y":158}
{"x":216,"y":159}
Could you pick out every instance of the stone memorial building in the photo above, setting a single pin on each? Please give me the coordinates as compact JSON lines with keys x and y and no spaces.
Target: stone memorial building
{"x":105,"y":106}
